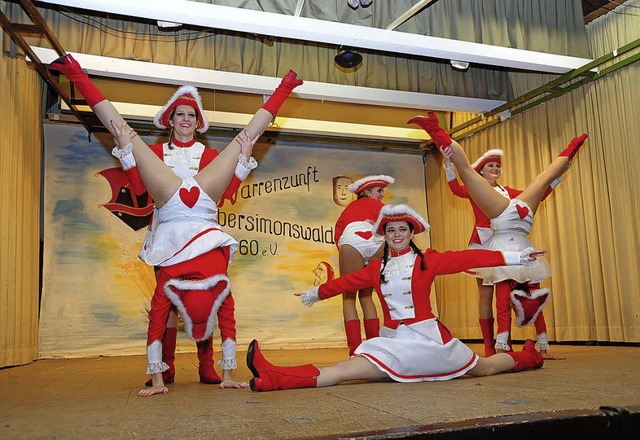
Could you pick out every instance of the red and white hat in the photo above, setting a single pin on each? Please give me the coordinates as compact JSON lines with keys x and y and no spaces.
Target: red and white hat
{"x":370,"y":182}
{"x":400,"y":213}
{"x":490,"y":156}
{"x":529,"y":306}
{"x":185,"y":95}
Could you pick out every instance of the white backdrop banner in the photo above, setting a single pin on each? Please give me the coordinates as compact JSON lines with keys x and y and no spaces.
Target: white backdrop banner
{"x":96,"y":292}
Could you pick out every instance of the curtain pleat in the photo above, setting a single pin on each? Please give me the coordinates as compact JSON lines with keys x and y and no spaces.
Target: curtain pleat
{"x":20,"y":170}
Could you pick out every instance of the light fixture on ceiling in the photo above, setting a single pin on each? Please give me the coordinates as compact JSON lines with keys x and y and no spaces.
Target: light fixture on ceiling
{"x":460,"y":66}
{"x":168,"y":25}
{"x":348,"y":58}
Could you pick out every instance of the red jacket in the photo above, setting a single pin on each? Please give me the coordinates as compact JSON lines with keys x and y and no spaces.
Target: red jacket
{"x":363,"y":209}
{"x":437,"y":263}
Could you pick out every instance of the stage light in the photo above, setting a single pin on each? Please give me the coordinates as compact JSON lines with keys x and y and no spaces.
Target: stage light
{"x":460,"y":66}
{"x":348,"y":58}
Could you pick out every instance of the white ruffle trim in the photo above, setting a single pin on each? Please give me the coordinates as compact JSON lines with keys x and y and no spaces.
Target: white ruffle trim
{"x":502,"y":346}
{"x":125,"y":155}
{"x":249,"y":164}
{"x":228,"y":364}
{"x":122,"y":152}
{"x":542,"y":342}
{"x":157,"y":367}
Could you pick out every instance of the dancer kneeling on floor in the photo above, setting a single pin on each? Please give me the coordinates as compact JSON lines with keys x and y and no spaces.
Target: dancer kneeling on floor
{"x":413,"y":345}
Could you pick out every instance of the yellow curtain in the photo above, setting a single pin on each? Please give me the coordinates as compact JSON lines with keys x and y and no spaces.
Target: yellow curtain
{"x":20,"y":168}
{"x":589,"y":225}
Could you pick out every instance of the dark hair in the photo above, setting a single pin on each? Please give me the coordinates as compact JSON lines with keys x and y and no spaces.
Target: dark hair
{"x":385,"y":259}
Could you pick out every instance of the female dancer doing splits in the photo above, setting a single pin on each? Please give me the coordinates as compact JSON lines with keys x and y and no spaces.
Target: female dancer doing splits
{"x":357,"y":244}
{"x":511,"y":221}
{"x":185,"y":240}
{"x":413,"y":345}
{"x":489,"y":166}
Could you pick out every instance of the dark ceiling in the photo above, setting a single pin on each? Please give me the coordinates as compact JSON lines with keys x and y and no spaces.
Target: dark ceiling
{"x":592,"y":9}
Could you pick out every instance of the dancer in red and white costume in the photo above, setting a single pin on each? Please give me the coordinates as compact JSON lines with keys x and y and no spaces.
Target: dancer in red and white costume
{"x":511,"y":221}
{"x":357,"y":244}
{"x":183,"y":114}
{"x":413,"y":345}
{"x":185,"y":240}
{"x":489,"y":166}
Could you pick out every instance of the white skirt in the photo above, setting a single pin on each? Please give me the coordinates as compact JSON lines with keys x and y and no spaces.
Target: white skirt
{"x":417,"y":353}
{"x":181,"y":231}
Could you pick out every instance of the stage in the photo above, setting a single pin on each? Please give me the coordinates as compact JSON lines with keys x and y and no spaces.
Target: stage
{"x":96,"y":399}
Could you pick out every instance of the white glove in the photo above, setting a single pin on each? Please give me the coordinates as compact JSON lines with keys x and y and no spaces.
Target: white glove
{"x":525,"y":257}
{"x":309,"y":297}
{"x":449,"y":171}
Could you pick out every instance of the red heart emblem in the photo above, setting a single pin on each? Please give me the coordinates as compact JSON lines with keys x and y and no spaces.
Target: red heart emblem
{"x":522,"y":211}
{"x":365,"y":234}
{"x":189,"y":196}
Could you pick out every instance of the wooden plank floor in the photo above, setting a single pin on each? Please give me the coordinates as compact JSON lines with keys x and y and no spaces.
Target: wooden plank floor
{"x":96,"y":398}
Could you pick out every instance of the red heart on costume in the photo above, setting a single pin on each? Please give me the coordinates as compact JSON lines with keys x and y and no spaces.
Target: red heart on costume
{"x":189,"y":196}
{"x":522,"y":211}
{"x":365,"y":234}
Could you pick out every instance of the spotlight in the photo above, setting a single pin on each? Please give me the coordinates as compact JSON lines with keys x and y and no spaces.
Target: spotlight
{"x":460,"y":66}
{"x":348,"y":58}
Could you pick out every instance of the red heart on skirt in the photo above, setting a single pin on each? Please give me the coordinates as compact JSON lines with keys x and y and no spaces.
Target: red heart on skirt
{"x":364,"y":234}
{"x":189,"y":196}
{"x":522,"y":211}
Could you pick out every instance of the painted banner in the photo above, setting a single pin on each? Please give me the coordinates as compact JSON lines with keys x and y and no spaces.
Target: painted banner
{"x":96,"y":292}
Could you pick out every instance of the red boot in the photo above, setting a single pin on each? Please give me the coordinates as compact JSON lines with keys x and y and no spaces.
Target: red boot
{"x":574,"y":146}
{"x":372,"y":328}
{"x":267,"y":377}
{"x":431,"y":125}
{"x":354,"y":336}
{"x":527,"y":359}
{"x":206,"y":369}
{"x":280,"y":95}
{"x":168,"y":356}
{"x":68,"y":66}
{"x":486,"y":325}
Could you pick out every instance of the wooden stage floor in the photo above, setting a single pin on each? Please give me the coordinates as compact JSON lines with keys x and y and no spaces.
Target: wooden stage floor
{"x":96,"y":399}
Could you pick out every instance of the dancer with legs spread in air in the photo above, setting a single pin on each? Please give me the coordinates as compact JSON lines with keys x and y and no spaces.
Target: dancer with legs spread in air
{"x":511,"y":221}
{"x":489,"y":166}
{"x":413,"y":345}
{"x":185,"y":240}
{"x":183,"y":114}
{"x":357,"y":244}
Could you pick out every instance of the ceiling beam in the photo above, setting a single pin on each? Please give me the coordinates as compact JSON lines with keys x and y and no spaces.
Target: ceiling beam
{"x":144,"y":112}
{"x":264,"y":85}
{"x":323,"y":31}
